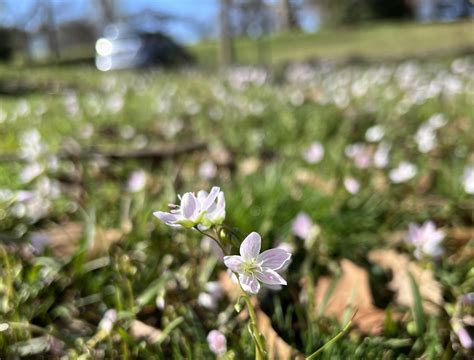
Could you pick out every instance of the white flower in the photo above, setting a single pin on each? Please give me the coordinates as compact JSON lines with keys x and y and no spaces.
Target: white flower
{"x":426,"y":238}
{"x":360,"y":153}
{"x":209,"y":299}
{"x":302,"y":226}
{"x":404,"y":172}
{"x":381,"y":156}
{"x":437,"y":121}
{"x":30,"y":145}
{"x":30,"y":172}
{"x":374,"y":133}
{"x":207,"y":170}
{"x":137,"y":181}
{"x":217,"y":342}
{"x":108,"y":321}
{"x":203,"y":210}
{"x":351,"y":184}
{"x":253,"y":267}
{"x":314,"y":153}
{"x":426,"y":138}
{"x":468,"y":179}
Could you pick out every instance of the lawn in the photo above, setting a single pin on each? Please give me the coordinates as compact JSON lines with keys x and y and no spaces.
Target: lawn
{"x":363,"y":172}
{"x":370,"y":42}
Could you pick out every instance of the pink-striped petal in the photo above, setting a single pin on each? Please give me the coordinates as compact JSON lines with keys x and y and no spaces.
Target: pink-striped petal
{"x":274,"y":259}
{"x":189,"y":205}
{"x":270,"y":277}
{"x":249,"y":283}
{"x":207,"y":203}
{"x":250,"y":247}
{"x":167,"y":218}
{"x":234,"y":262}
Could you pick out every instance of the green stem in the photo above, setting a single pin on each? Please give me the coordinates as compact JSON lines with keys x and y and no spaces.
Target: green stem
{"x":332,"y":341}
{"x":39,"y":330}
{"x":213,"y":238}
{"x":7,"y":277}
{"x":260,"y":350}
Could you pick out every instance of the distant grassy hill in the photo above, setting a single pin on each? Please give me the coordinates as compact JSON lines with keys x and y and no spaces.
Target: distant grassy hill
{"x":370,"y":42}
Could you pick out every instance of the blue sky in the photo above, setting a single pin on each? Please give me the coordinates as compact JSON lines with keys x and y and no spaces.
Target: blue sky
{"x":201,"y":11}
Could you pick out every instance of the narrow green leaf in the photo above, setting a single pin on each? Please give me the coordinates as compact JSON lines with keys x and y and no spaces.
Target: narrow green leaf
{"x":417,"y":308}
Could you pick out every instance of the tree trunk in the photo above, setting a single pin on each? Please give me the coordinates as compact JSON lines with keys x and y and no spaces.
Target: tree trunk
{"x":287,"y":16}
{"x":53,"y":42}
{"x":226,"y":53}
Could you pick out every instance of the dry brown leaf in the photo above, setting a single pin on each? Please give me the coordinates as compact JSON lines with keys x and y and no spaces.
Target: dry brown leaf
{"x":221,"y":156}
{"x":307,"y":177}
{"x":249,"y":166}
{"x":400,"y":265}
{"x":352,"y":290}
{"x":461,"y":235}
{"x":424,"y":183}
{"x":277,"y":348}
{"x":395,"y":238}
{"x":230,"y":288}
{"x":63,"y":239}
{"x":139,"y":330}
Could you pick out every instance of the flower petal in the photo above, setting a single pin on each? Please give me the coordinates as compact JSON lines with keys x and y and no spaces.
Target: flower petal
{"x":207,"y":203}
{"x":274,"y":259}
{"x":189,"y":205}
{"x":216,"y":213}
{"x":234,"y":262}
{"x":249,"y":283}
{"x":250,"y":247}
{"x":167,"y":218}
{"x":270,"y":277}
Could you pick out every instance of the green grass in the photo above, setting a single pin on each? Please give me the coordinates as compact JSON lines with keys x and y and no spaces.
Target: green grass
{"x":369,"y":42}
{"x":45,"y":297}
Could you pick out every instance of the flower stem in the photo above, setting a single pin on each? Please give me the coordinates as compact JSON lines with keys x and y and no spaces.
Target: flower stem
{"x":257,"y":336}
{"x":213,"y":238}
{"x":333,"y":340}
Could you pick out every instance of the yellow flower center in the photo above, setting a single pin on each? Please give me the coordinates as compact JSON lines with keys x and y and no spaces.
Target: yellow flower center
{"x":249,"y":267}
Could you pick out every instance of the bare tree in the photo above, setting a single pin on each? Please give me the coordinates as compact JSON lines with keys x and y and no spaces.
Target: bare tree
{"x":287,"y":16}
{"x":226,"y":51}
{"x":107,"y":10}
{"x":50,"y":28}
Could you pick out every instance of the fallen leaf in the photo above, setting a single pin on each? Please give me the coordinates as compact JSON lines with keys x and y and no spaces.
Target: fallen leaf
{"x":249,"y":166}
{"x":221,"y":156}
{"x":63,"y":239}
{"x":424,"y":183}
{"x":395,"y":238}
{"x":400,"y":265}
{"x":461,"y":235}
{"x":139,"y":330}
{"x":277,"y":348}
{"x":307,"y":177}
{"x":351,"y":291}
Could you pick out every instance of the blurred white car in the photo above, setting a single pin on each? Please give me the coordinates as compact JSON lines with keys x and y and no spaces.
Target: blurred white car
{"x":123,"y":47}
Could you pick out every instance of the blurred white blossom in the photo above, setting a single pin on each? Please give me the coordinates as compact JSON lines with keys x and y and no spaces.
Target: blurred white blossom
{"x":314,"y":153}
{"x":404,"y":172}
{"x":217,"y":342}
{"x":426,"y":238}
{"x":351,"y":184}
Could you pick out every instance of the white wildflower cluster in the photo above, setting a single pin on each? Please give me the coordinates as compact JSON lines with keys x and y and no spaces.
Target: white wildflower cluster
{"x":206,"y":211}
